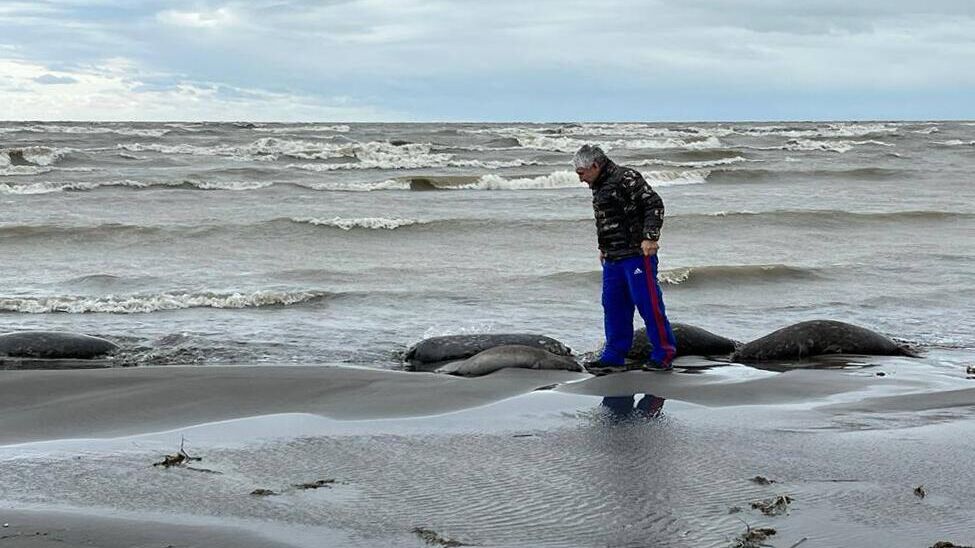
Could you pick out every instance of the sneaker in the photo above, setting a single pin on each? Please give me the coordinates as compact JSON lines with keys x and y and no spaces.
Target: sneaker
{"x":653,"y":365}
{"x":599,"y":367}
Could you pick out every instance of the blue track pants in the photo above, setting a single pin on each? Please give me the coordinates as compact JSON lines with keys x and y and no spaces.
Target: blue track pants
{"x":627,"y":284}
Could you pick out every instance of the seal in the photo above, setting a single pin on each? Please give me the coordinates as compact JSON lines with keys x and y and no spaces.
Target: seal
{"x":429,"y":354}
{"x":691,"y":341}
{"x":511,"y":355}
{"x":53,"y":345}
{"x":819,"y":337}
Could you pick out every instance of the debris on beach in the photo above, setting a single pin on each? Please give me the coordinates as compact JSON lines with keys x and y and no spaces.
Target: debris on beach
{"x":774,"y":506}
{"x":430,"y":536}
{"x":316,"y":484}
{"x":262,"y":492}
{"x":970,"y":371}
{"x":762,"y":480}
{"x":754,"y":538}
{"x":919,"y":492}
{"x":179,"y":459}
{"x":734,"y":509}
{"x":946,"y":544}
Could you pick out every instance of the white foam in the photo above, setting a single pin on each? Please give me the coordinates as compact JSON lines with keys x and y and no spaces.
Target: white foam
{"x":954,"y":143}
{"x":36,"y":155}
{"x":342,"y":128}
{"x":86,"y":130}
{"x":840,"y":130}
{"x":48,"y":187}
{"x":804,"y":145}
{"x":700,"y":164}
{"x":676,"y":178}
{"x":22,"y":170}
{"x":372,"y":223}
{"x":338,"y":186}
{"x":927,"y":130}
{"x":559,"y":179}
{"x":134,"y":304}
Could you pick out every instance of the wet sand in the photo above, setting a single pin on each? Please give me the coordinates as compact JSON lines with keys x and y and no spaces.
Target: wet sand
{"x":487,"y":461}
{"x":58,"y":529}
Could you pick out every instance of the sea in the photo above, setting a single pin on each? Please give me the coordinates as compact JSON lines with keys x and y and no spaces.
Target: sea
{"x":312,"y":243}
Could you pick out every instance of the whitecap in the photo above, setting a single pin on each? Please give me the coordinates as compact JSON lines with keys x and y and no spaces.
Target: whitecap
{"x":133,"y":304}
{"x":372,"y":223}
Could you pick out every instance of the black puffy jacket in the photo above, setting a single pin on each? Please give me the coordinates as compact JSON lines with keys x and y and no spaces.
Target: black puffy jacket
{"x":627,"y":211}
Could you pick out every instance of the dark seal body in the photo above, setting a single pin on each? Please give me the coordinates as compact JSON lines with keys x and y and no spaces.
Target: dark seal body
{"x":429,"y":354}
{"x":53,"y":345}
{"x":691,"y":341}
{"x":815,"y":338}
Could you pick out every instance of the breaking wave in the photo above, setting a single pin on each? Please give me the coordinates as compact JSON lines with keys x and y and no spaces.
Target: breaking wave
{"x":48,"y":187}
{"x":85,"y":130}
{"x":32,"y":156}
{"x":954,"y":143}
{"x":560,"y":137}
{"x":372,"y":223}
{"x":312,"y":128}
{"x":697,"y":276}
{"x":357,"y":155}
{"x":806,"y":145}
{"x":691,"y":164}
{"x":136,"y":304}
{"x":824,"y":216}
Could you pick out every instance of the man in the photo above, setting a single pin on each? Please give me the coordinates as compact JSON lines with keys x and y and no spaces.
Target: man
{"x":629,"y":215}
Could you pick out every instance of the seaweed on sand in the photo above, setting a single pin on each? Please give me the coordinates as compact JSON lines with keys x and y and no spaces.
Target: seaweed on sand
{"x":753,"y":537}
{"x":430,"y":536}
{"x":774,"y":506}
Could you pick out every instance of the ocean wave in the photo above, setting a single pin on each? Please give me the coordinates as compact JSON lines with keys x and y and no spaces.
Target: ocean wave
{"x":568,"y":144}
{"x":739,"y":175}
{"x":48,"y":187}
{"x":340,"y":186}
{"x":85,"y":130}
{"x":314,"y":128}
{"x":359,"y":155}
{"x":823,"y":217}
{"x":32,"y":156}
{"x":806,"y":145}
{"x":559,"y":179}
{"x":691,"y":164}
{"x":683,"y":133}
{"x":697,"y":276}
{"x":730,"y":275}
{"x":954,"y":143}
{"x":135,"y":304}
{"x":927,"y":130}
{"x":829,"y":131}
{"x":415,"y":162}
{"x":371,"y":223}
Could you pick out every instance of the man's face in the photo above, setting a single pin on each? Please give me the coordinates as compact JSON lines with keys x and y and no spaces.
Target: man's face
{"x":589,"y":174}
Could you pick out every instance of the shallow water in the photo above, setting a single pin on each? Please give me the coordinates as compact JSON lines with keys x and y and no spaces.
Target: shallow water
{"x":545,"y":469}
{"x":224,"y":243}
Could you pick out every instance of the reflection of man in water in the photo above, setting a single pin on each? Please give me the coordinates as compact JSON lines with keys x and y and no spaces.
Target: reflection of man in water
{"x":622,"y":406}
{"x":629,"y":215}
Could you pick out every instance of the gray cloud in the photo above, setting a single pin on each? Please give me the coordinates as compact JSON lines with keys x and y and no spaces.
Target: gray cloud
{"x":50,"y":79}
{"x":443,"y":58}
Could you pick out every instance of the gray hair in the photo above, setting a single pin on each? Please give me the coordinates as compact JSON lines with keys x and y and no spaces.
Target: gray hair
{"x":588,"y":155}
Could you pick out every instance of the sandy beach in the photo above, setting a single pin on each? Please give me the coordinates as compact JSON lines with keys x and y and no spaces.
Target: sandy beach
{"x":491,"y":461}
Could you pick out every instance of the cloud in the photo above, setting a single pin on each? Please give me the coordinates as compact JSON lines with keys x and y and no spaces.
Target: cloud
{"x":218,"y":18}
{"x":545,"y":59}
{"x":114,"y":91}
{"x":51,"y":79}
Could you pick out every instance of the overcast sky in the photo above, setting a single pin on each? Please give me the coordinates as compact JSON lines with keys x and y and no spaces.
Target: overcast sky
{"x":497,"y":60}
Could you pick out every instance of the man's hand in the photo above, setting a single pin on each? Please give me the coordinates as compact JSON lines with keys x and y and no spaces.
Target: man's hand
{"x":602,"y":256}
{"x":649,"y":247}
